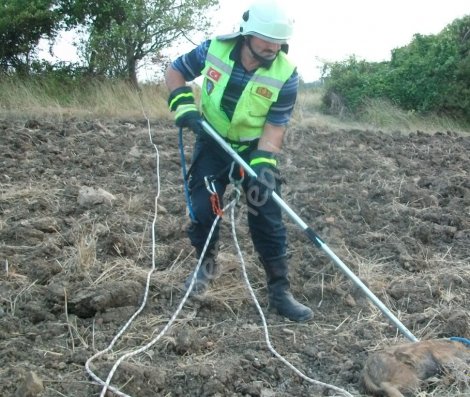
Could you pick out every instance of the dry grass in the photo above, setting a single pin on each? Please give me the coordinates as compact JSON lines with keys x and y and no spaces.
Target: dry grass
{"x":117,"y":99}
{"x":32,"y":99}
{"x":308,"y":114}
{"x":376,"y":115}
{"x":380,"y":114}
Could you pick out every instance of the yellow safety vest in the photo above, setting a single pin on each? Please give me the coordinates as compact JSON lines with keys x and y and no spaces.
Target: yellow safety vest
{"x":255,"y":101}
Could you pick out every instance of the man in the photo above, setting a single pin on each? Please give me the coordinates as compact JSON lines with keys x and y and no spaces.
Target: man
{"x":248,"y":94}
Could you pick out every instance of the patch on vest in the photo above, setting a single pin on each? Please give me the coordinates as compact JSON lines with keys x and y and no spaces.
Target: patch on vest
{"x":213,"y":74}
{"x":209,"y":87}
{"x":263,"y":91}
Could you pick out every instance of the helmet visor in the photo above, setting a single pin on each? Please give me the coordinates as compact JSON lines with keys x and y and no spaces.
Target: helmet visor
{"x":266,"y":38}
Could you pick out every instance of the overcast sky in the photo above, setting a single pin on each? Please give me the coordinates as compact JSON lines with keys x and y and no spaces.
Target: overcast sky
{"x":332,"y":30}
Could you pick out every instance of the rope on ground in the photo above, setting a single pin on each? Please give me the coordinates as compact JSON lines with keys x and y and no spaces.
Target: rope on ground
{"x":107,"y":384}
{"x":263,"y":319}
{"x":147,"y":286}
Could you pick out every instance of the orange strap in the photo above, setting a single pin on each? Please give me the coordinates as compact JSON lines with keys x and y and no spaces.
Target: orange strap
{"x":216,"y":205}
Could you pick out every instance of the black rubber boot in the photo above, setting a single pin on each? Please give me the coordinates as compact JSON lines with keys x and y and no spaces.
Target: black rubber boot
{"x":280,"y":298}
{"x":206,"y":273}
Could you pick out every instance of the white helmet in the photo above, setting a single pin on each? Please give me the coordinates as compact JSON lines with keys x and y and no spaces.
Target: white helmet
{"x":267,"y":20}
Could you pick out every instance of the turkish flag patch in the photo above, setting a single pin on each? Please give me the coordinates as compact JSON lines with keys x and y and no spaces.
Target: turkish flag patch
{"x":213,"y":74}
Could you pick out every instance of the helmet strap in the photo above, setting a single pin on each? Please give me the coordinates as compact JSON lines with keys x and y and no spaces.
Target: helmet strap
{"x":265,"y":62}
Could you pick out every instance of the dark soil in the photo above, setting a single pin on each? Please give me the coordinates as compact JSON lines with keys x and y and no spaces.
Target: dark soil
{"x":77,"y":205}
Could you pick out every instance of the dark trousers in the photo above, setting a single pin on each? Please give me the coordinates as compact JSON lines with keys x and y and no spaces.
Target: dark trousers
{"x":267,"y":229}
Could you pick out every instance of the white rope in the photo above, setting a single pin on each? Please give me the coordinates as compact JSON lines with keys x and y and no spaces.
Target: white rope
{"x":263,"y":319}
{"x":106,"y":385}
{"x":147,"y":286}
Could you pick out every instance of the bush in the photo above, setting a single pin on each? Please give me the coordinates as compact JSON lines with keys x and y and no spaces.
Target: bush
{"x":431,"y":74}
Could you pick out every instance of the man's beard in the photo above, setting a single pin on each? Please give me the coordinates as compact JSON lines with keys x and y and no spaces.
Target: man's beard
{"x":265,"y":62}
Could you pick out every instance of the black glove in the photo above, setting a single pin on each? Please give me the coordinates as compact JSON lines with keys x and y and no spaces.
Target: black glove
{"x":264,"y":163}
{"x":181,"y":101}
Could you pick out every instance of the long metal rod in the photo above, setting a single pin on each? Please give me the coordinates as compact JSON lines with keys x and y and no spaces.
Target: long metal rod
{"x":312,"y":235}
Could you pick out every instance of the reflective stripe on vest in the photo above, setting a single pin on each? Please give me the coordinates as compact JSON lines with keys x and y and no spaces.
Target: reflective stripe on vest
{"x":255,"y":101}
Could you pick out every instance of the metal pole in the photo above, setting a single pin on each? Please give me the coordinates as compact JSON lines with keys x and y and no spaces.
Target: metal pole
{"x":312,"y":235}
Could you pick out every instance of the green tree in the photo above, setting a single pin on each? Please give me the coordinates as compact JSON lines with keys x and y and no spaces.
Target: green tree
{"x":22,"y":24}
{"x":121,"y":33}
